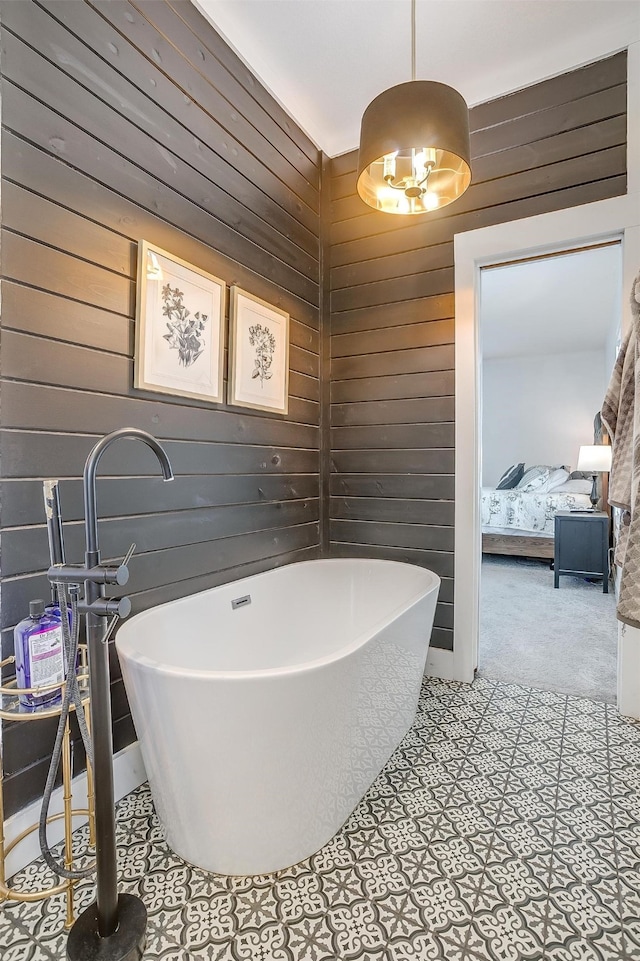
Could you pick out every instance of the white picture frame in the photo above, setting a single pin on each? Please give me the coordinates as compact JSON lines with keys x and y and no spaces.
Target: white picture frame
{"x":180,"y":329}
{"x":259,"y":354}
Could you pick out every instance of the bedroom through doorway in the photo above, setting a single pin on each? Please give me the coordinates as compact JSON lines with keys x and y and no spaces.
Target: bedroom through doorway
{"x":549,"y":331}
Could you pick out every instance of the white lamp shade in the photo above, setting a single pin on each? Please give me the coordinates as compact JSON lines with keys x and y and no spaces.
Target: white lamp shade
{"x":594,"y":458}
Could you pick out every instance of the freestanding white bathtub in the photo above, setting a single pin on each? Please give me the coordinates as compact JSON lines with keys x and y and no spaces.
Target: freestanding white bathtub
{"x":265,"y":708}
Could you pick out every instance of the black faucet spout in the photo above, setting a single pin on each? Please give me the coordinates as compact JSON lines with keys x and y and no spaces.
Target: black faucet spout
{"x":91,"y":467}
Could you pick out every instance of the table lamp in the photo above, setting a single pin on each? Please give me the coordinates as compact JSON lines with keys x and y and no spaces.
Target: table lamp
{"x":594,"y":459}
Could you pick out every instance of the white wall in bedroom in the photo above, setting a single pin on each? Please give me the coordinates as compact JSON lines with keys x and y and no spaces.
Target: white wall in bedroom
{"x":539,"y":409}
{"x":548,"y":331}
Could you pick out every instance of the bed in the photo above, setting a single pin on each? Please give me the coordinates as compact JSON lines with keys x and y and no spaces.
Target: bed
{"x":521,"y":521}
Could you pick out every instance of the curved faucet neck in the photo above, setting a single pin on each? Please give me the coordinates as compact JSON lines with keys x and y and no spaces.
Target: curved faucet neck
{"x":89,"y":478}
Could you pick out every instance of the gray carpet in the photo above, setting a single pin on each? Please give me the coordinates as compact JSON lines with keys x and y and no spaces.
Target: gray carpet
{"x":561,"y":640}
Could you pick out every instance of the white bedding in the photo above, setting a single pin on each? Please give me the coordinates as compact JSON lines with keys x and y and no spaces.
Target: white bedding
{"x":524,"y":511}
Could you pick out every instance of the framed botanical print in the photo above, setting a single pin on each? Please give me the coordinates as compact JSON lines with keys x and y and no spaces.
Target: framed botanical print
{"x":259,"y":358}
{"x":179,"y":327}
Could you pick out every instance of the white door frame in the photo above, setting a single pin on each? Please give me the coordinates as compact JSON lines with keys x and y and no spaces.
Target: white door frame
{"x":618,"y":218}
{"x":615,"y":219}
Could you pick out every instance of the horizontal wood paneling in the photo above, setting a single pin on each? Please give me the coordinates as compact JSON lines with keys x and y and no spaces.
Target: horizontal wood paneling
{"x":382,"y":268}
{"x":597,"y":136}
{"x":427,"y":410}
{"x":95,"y":159}
{"x":392,"y":534}
{"x":121,"y":121}
{"x":392,"y":510}
{"x":405,"y":486}
{"x":24,"y":212}
{"x":156,"y":142}
{"x":22,"y":499}
{"x":26,"y":546}
{"x":540,"y":125}
{"x":64,"y":455}
{"x":26,"y":261}
{"x":33,"y":406}
{"x":565,"y":88}
{"x":393,"y":362}
{"x":428,"y":384}
{"x":396,"y":338}
{"x":407,"y":544}
{"x":392,"y":436}
{"x":420,"y":284}
{"x":392,"y":315}
{"x":71,"y":169}
{"x":554,"y":145}
{"x":413,"y":461}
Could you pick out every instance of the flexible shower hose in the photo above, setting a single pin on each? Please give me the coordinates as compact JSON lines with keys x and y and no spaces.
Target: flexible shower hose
{"x":67,"y":598}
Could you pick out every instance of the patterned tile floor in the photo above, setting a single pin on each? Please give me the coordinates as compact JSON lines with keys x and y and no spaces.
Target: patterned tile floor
{"x":506,"y":827}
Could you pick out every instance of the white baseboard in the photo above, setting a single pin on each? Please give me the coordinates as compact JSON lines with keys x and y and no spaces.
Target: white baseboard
{"x":128,"y":773}
{"x":440,"y":664}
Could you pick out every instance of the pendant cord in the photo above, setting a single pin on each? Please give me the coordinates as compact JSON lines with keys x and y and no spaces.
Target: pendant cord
{"x":413,"y":39}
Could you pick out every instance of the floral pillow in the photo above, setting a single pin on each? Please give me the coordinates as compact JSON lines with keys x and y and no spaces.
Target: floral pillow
{"x":534,"y":479}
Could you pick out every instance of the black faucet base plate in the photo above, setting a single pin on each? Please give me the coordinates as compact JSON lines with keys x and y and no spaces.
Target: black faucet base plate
{"x":127,"y":943}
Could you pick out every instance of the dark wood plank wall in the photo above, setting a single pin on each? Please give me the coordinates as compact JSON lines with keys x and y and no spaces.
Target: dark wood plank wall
{"x":550,"y":146}
{"x":124,"y":121}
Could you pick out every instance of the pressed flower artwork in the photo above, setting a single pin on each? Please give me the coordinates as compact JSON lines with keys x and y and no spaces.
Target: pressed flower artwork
{"x":259,"y":363}
{"x":179,"y":327}
{"x":186,"y":333}
{"x":264,"y":343}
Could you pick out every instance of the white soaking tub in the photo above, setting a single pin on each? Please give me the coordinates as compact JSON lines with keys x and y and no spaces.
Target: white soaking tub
{"x":265,"y":708}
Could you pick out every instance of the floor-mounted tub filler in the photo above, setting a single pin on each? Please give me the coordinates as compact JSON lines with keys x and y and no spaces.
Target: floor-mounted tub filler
{"x":265,"y":708}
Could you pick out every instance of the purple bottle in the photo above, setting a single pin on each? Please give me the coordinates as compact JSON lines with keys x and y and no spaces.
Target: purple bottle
{"x":54,"y":609}
{"x":39,"y":653}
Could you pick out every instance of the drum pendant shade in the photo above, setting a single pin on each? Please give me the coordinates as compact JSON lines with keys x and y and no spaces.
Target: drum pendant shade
{"x":414,"y":148}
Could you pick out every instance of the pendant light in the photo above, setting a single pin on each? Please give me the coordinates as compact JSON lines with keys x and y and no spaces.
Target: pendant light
{"x":414,"y":145}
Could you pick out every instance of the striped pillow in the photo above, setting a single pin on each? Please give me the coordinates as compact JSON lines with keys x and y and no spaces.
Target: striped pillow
{"x":511,"y":477}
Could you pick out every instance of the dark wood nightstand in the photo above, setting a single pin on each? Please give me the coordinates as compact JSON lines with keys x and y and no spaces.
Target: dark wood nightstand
{"x":582,"y":545}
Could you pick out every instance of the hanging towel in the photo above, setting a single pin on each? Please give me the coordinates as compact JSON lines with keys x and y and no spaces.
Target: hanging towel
{"x":621,"y":415}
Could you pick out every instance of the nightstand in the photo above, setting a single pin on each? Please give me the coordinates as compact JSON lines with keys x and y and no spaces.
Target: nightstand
{"x":582,"y":545}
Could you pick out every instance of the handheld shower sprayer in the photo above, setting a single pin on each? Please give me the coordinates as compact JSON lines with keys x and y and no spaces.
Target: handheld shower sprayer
{"x":55,"y":533}
{"x":113,"y":927}
{"x":65,"y":596}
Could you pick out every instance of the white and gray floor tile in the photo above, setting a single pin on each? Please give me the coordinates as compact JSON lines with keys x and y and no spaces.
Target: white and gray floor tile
{"x":506,"y":827}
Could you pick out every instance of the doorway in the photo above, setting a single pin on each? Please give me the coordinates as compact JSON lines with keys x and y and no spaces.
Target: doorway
{"x":615,"y":219}
{"x":548,"y":329}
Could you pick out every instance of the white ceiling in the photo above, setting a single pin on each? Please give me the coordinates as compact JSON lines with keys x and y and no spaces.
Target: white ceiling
{"x":551,"y":306}
{"x":325,"y":60}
